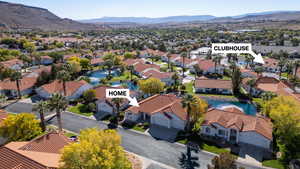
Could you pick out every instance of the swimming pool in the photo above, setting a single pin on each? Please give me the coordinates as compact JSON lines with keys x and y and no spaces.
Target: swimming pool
{"x":246,"y":107}
{"x":96,"y":76}
{"x":129,"y":85}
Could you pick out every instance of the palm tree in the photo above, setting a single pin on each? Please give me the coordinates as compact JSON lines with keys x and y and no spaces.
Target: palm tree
{"x":168,"y":56}
{"x":296,"y":67}
{"x":3,"y":99}
{"x":187,"y":102}
{"x":183,"y":55}
{"x":63,"y":76}
{"x":217,"y":61}
{"x":41,"y":107}
{"x":17,"y":76}
{"x":58,"y":103}
{"x":109,"y":65}
{"x":131,"y":68}
{"x":249,"y":60}
{"x":175,"y":78}
{"x":236,"y":81}
{"x":251,"y":83}
{"x":281,"y":64}
{"x":117,"y":102}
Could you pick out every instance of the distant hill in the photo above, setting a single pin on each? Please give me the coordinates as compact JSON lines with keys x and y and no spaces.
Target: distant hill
{"x":17,"y":16}
{"x":145,"y":20}
{"x":261,"y":16}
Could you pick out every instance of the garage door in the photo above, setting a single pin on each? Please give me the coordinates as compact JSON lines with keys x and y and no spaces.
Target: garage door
{"x":160,"y":120}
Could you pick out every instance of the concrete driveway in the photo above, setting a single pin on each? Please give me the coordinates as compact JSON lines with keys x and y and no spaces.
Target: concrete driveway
{"x":163,"y":133}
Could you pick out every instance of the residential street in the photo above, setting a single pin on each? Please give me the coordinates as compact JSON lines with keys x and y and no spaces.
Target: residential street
{"x":167,"y":153}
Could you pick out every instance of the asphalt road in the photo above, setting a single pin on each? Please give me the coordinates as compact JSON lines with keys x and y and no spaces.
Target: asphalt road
{"x":164,"y":152}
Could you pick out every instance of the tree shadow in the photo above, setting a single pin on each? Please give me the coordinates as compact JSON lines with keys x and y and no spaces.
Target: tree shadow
{"x":187,"y":160}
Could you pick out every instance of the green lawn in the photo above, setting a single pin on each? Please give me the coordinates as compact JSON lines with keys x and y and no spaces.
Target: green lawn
{"x":273,"y":164}
{"x":214,"y":149}
{"x":189,"y":87}
{"x":226,"y":78}
{"x":124,"y":76}
{"x":68,"y":134}
{"x":137,"y":128}
{"x":80,"y":109}
{"x":209,"y":148}
{"x":216,"y":95}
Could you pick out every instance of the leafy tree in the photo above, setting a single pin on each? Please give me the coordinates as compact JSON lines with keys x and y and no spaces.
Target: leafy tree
{"x":16,"y":76}
{"x":282,"y":62}
{"x":85,"y":64}
{"x":20,"y":127}
{"x":41,"y":107}
{"x":89,"y":95}
{"x":117,"y":102}
{"x":58,"y":103}
{"x":285,"y":114}
{"x":151,"y":86}
{"x":131,"y":69}
{"x":129,"y":55}
{"x":183,"y":55}
{"x":29,"y":47}
{"x":296,"y":67}
{"x":223,"y":161}
{"x":176,"y":83}
{"x":96,"y":149}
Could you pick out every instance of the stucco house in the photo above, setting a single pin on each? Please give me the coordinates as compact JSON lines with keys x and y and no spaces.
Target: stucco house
{"x":213,"y":86}
{"x":15,"y":64}
{"x":74,"y":89}
{"x":162,"y":110}
{"x":43,"y":152}
{"x":165,"y":77}
{"x":208,"y":67}
{"x":97,"y":61}
{"x":10,"y":89}
{"x":105,"y":105}
{"x":234,"y":126}
{"x":139,"y":68}
{"x":271,"y":65}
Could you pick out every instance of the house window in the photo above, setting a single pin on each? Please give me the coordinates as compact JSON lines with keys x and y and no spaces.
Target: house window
{"x":221,"y":132}
{"x":207,"y":130}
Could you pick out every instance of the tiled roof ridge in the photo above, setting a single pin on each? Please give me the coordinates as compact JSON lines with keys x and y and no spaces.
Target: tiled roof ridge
{"x":8,"y":148}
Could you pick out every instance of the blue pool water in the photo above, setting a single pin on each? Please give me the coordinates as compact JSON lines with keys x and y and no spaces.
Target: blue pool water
{"x":246,"y":107}
{"x":96,"y":76}
{"x":128,"y":85}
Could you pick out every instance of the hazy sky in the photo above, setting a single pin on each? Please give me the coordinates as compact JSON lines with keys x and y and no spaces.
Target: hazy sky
{"x":87,"y":9}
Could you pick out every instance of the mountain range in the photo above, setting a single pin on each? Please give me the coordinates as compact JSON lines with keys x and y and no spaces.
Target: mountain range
{"x":272,"y":15}
{"x":17,"y":16}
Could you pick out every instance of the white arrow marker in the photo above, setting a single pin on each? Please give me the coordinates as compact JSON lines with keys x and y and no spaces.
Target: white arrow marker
{"x":121,"y":93}
{"x":238,"y":48}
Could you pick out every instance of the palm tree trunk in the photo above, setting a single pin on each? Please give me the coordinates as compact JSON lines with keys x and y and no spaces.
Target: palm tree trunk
{"x":295,"y":73}
{"x":183,"y":60}
{"x":65,"y":89}
{"x":168,"y":62}
{"x":18,"y":88}
{"x":58,"y":116}
{"x":42,"y":117}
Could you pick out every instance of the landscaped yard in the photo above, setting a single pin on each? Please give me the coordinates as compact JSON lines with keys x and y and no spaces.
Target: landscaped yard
{"x":81,"y":109}
{"x":207,"y":147}
{"x":189,"y":87}
{"x":273,"y":164}
{"x":124,"y":76}
{"x":216,"y":95}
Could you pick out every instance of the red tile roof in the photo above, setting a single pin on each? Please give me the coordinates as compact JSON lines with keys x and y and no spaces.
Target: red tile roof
{"x":40,"y":153}
{"x":213,"y":83}
{"x":10,"y":63}
{"x":205,"y":64}
{"x":161,"y":103}
{"x":157,"y":74}
{"x":25,"y":83}
{"x":57,"y":87}
{"x":240,"y":121}
{"x":269,"y":62}
{"x":132,"y":62}
{"x":140,"y":67}
{"x":97,"y":61}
